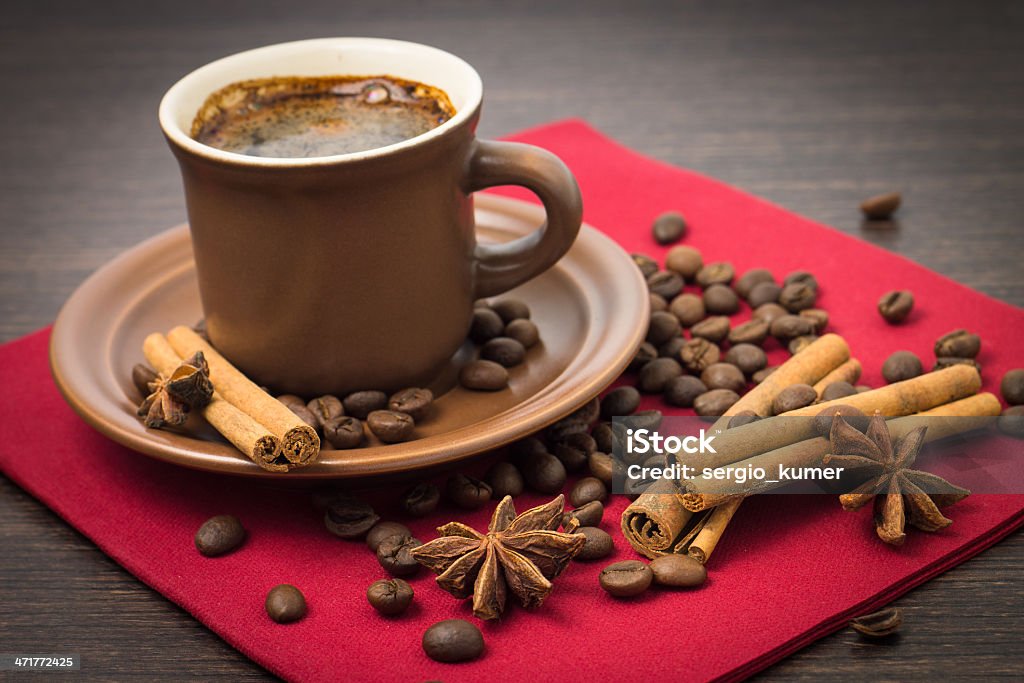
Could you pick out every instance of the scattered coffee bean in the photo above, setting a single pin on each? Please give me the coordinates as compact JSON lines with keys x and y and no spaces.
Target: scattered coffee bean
{"x":483,"y":375}
{"x":599,"y":544}
{"x":504,"y":479}
{"x":626,"y":579}
{"x":604,"y":436}
{"x":723,"y":376}
{"x":348,"y":517}
{"x":579,"y":420}
{"x":669,"y":227}
{"x":619,"y":402}
{"x":662,"y":327}
{"x":896,"y":305}
{"x":574,"y":449}
{"x":793,"y":397}
{"x":390,"y":426}
{"x":326,"y":408}
{"x":523,"y":331}
{"x":750,"y":332}
{"x":344,"y":432}
{"x":879,"y":624}
{"x":762,"y":375}
{"x":142,"y":375}
{"x":486,"y":325}
{"x":588,"y":514}
{"x":390,"y":597}
{"x":699,"y":353}
{"x":504,"y":351}
{"x":802,"y":277}
{"x":421,"y":500}
{"x":655,"y":375}
{"x":665,"y":283}
{"x":544,"y":473}
{"x":686,"y":261}
{"x":853,"y":416}
{"x":305,"y":414}
{"x":1011,"y":422}
{"x":750,"y":279}
{"x":818,"y":316}
{"x":645,"y":353}
{"x":586,"y":490}
{"x":467,"y":493}
{"x":797,"y":296}
{"x":362,"y":403}
{"x":715,"y":328}
{"x":511,"y":309}
{"x":601,"y":465}
{"x":658,"y":302}
{"x":715,"y":402}
{"x":672,"y":348}
{"x":394,"y":554}
{"x":744,"y":417}
{"x":382,"y":530}
{"x":688,"y":308}
{"x":747,"y":357}
{"x":790,"y":326}
{"x":838,"y":390}
{"x":291,"y":400}
{"x":678,"y":571}
{"x":453,"y":640}
{"x":764,"y":293}
{"x":881,"y":206}
{"x":943,"y":363}
{"x":798,"y":344}
{"x":719,"y":273}
{"x":769,"y":312}
{"x":1012,"y":386}
{"x":646,"y":419}
{"x":958,"y":344}
{"x":413,"y":401}
{"x":721,"y":300}
{"x":683,"y":391}
{"x":285,"y":604}
{"x":646,"y":264}
{"x":900,"y":366}
{"x":219,"y":535}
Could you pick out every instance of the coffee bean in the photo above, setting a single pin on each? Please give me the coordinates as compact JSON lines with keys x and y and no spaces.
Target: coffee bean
{"x":896,"y":305}
{"x":586,"y":490}
{"x":601,"y":465}
{"x":802,"y":277}
{"x":326,"y":408}
{"x":798,"y":344}
{"x":718,"y":273}
{"x":588,"y":514}
{"x":421,"y":500}
{"x":626,"y":579}
{"x":574,"y":449}
{"x":467,"y":493}
{"x":453,"y":640}
{"x":1012,"y":386}
{"x":686,"y":261}
{"x":656,"y":374}
{"x":305,"y":414}
{"x":715,"y":402}
{"x":290,"y":400}
{"x":797,"y":296}
{"x":762,"y":375}
{"x":662,"y":327}
{"x":382,"y":530}
{"x":658,"y":302}
{"x":853,"y":416}
{"x":504,"y":351}
{"x":486,"y":325}
{"x":646,"y":419}
{"x":390,"y":426}
{"x":361,"y":403}
{"x":604,"y":435}
{"x":900,"y":366}
{"x":544,"y":473}
{"x":599,"y":544}
{"x":750,"y":279}
{"x":688,"y":308}
{"x":390,"y":597}
{"x":665,"y":283}
{"x":344,"y":432}
{"x":579,"y":420}
{"x":348,"y":517}
{"x":645,"y":353}
{"x":504,"y":479}
{"x":1011,"y":421}
{"x":747,"y":357}
{"x":838,"y":390}
{"x":958,"y":344}
{"x":699,"y":353}
{"x":793,"y":397}
{"x":683,"y":391}
{"x":678,"y":571}
{"x":723,"y":376}
{"x":769,"y":312}
{"x":219,"y":535}
{"x":672,"y":348}
{"x":511,"y":309}
{"x":669,"y":227}
{"x":817,"y":316}
{"x":619,"y":402}
{"x":285,"y":604}
{"x":523,"y":331}
{"x":715,"y":328}
{"x":789,"y":327}
{"x":750,"y":332}
{"x":763,"y":293}
{"x":142,"y":375}
{"x":395,"y":555}
{"x":881,"y":206}
{"x":646,"y":264}
{"x":744,"y":417}
{"x":413,"y":401}
{"x":721,"y":300}
{"x":483,"y":375}
{"x":943,"y":363}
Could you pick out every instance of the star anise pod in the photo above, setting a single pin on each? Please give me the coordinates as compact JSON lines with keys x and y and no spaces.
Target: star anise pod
{"x":520,"y":554}
{"x":901,"y":494}
{"x":171,"y":397}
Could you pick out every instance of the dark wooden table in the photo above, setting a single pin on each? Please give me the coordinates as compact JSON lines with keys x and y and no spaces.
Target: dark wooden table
{"x":813,"y":105}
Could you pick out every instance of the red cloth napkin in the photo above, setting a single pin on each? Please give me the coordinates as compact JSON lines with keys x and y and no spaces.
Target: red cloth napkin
{"x":790,"y":569}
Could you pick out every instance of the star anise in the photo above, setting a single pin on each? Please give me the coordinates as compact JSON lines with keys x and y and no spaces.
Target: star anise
{"x":901,"y":494}
{"x":171,"y":397}
{"x":520,"y":554}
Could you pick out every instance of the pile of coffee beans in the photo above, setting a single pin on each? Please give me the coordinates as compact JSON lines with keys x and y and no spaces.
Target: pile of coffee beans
{"x":342,"y":422}
{"x":505,"y":333}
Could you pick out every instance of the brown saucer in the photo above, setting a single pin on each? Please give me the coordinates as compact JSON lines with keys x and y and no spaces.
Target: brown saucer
{"x":591,"y":309}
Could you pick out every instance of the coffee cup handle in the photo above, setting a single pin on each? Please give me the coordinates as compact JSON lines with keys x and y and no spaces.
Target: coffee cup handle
{"x":500,"y":267}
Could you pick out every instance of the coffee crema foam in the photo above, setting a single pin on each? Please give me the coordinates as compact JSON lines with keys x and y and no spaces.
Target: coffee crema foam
{"x":303,"y":117}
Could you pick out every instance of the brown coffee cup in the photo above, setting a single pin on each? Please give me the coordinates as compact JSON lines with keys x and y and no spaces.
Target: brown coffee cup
{"x":358,"y":271}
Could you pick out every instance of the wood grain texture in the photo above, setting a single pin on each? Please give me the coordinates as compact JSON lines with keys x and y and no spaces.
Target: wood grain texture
{"x":812,"y":105}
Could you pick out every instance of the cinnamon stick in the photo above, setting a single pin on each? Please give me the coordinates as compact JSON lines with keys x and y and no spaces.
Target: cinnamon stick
{"x":655,"y":520}
{"x":847,"y":372}
{"x":299,"y":442}
{"x":247,"y":435}
{"x":707,"y":540}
